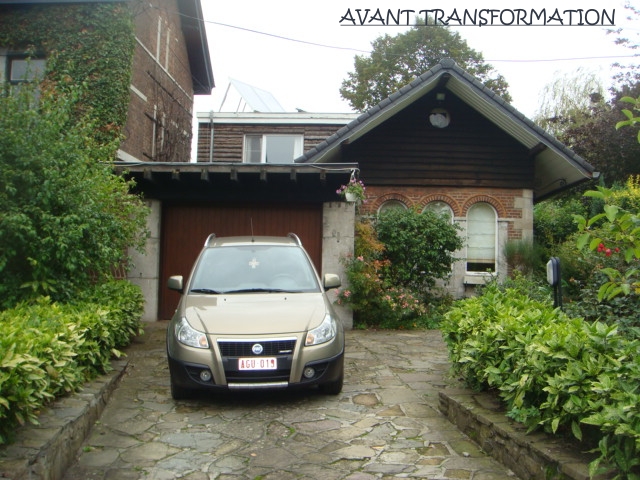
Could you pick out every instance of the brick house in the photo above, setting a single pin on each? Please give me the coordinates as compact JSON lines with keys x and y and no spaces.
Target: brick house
{"x":446,"y":142}
{"x":168,"y":62}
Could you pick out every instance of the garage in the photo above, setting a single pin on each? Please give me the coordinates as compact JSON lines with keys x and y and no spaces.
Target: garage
{"x":185,"y":228}
{"x":190,"y":201}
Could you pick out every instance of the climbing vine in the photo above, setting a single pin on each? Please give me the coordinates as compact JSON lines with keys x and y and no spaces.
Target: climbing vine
{"x":84,"y":44}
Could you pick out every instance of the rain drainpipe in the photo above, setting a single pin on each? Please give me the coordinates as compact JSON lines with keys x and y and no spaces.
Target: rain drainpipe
{"x":211,"y":137}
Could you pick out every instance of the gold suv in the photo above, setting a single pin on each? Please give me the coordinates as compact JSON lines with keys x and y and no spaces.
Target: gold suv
{"x":254,"y":314}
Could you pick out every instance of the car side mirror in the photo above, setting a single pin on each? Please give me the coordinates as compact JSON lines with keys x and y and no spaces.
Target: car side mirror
{"x":331,"y":280}
{"x":175,"y":282}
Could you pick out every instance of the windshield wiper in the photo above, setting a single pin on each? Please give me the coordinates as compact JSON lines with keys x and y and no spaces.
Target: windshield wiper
{"x":204,"y":290}
{"x":260,"y":290}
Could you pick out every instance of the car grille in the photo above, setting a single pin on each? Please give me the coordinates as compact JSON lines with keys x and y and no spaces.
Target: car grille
{"x":232,"y":350}
{"x":244,"y":349}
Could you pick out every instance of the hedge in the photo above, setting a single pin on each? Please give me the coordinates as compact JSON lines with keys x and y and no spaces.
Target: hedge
{"x":50,"y":349}
{"x":561,"y":374}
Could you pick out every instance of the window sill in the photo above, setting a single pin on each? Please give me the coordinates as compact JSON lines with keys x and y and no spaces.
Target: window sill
{"x":478,"y":278}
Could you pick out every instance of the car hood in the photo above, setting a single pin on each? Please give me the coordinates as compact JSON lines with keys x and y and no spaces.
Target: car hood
{"x":255,"y":314}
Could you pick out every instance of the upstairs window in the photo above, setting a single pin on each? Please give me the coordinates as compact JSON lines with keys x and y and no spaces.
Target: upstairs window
{"x":481,"y":238}
{"x":272,"y":148}
{"x":24,"y":69}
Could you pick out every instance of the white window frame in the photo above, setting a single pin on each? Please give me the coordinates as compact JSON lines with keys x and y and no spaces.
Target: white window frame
{"x":485,"y":244}
{"x":298,"y":145}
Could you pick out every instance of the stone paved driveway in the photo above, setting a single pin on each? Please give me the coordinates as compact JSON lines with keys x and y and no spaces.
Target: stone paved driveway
{"x":385,"y":424}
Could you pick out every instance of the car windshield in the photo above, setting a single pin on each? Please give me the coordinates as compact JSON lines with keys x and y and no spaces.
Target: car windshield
{"x":254,"y":268}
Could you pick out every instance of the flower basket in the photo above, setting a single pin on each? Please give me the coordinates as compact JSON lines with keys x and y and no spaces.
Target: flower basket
{"x":353,"y":191}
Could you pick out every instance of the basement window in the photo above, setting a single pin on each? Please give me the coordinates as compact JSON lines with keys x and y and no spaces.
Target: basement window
{"x":272,"y":148}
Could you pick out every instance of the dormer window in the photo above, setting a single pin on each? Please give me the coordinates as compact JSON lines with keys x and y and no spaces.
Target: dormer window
{"x":272,"y":148}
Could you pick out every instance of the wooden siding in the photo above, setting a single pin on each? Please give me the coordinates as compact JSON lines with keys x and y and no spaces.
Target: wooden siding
{"x":186,"y":227}
{"x":228,"y":138}
{"x":471,"y":151}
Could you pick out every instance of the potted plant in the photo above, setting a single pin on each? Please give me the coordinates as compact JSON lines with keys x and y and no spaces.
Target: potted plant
{"x":352,"y":191}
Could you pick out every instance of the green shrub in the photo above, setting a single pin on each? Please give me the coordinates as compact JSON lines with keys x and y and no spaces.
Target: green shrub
{"x":48,"y":349}
{"x":376,"y":296}
{"x":419,"y":246}
{"x":552,"y":371}
{"x":66,"y":218}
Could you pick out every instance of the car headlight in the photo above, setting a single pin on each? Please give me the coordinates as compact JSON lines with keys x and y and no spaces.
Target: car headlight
{"x":188,"y":335}
{"x":323,"y":333}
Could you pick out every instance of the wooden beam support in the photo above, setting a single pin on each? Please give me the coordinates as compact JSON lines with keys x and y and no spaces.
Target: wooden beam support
{"x":175,"y":175}
{"x":263,"y":175}
{"x":204,"y":175}
{"x":233,"y":175}
{"x":293,"y":176}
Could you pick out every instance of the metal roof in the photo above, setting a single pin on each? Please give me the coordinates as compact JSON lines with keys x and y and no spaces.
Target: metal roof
{"x":556,"y":166}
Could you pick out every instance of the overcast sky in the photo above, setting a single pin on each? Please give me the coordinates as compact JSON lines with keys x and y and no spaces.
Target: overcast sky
{"x":301,"y":51}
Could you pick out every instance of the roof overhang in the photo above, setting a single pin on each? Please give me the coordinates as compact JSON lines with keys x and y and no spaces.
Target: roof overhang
{"x":556,"y":166}
{"x":288,"y":118}
{"x":195,"y":36}
{"x":234,"y":181}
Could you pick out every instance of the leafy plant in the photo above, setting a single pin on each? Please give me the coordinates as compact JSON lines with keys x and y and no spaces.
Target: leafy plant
{"x":66,"y":218}
{"x":552,"y":371}
{"x":419,"y":246}
{"x":48,"y":349}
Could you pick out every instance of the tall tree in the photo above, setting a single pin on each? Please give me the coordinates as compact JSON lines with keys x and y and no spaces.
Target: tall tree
{"x":614,"y":153}
{"x":396,"y":61}
{"x":568,"y":100}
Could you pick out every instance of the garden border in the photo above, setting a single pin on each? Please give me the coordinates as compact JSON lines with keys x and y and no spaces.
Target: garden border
{"x":536,"y":456}
{"x":47,"y":450}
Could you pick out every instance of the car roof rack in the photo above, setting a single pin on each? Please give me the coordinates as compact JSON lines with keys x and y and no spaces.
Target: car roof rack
{"x":209,"y":239}
{"x":296,"y":238}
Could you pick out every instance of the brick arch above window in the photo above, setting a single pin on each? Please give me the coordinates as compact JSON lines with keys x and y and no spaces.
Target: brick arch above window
{"x":378,"y":202}
{"x":501,"y":211}
{"x":439,"y":197}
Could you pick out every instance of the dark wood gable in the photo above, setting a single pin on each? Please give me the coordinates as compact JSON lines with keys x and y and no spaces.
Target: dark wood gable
{"x":471,"y":151}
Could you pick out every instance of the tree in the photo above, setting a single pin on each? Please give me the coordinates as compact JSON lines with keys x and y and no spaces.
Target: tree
{"x":65,"y":219}
{"x":568,"y":100}
{"x":396,"y":61}
{"x":612,"y":152}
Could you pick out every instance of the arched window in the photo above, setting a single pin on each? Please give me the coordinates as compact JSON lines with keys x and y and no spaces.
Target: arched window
{"x":481,"y":238}
{"x":439,"y":208}
{"x":390,"y":205}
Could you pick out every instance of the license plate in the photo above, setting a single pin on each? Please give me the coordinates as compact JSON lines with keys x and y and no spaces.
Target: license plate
{"x":258,"y":363}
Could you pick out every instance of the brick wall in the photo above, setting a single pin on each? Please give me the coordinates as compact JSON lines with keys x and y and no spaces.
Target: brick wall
{"x":514,"y":208}
{"x":160,"y":114}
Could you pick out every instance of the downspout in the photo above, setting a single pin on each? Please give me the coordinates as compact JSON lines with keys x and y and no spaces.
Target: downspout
{"x":211,"y":136}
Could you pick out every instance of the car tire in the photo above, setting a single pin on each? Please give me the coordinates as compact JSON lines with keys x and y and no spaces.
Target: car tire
{"x":332,"y":388}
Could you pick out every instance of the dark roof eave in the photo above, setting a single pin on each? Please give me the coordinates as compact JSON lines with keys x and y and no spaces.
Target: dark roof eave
{"x":197,"y":46}
{"x":471,"y":90}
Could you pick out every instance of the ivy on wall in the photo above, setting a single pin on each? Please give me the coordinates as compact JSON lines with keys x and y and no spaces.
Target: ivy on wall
{"x":85,"y":44}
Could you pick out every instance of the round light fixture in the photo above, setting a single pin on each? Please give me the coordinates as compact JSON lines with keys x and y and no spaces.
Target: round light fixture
{"x":439,"y":118}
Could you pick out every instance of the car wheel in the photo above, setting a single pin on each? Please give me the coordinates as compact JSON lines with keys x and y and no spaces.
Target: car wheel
{"x":332,"y":388}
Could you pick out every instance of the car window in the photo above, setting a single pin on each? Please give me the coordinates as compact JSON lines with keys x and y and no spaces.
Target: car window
{"x":247,"y":268}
